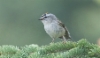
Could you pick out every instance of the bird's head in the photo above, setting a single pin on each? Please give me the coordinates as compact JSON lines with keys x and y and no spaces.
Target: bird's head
{"x":47,"y":18}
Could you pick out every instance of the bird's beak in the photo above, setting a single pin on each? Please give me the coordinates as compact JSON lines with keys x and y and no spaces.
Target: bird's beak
{"x":40,"y":18}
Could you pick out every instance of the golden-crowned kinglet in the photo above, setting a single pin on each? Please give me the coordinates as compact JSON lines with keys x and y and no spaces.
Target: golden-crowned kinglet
{"x":54,"y":27}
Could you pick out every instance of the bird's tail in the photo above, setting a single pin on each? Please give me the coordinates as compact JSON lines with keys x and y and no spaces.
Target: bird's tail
{"x":67,"y":35}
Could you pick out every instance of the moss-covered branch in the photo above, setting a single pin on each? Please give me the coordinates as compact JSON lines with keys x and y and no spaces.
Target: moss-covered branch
{"x":80,"y":49}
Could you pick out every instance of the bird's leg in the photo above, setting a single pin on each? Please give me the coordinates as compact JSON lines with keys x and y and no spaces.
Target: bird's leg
{"x":52,"y":40}
{"x":64,"y":40}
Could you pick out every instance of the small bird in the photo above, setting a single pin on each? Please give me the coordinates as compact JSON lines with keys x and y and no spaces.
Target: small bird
{"x":54,"y":27}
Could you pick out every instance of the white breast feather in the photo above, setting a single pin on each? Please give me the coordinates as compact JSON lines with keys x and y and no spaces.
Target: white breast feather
{"x":54,"y":30}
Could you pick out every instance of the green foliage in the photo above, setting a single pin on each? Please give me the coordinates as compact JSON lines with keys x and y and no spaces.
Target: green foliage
{"x":80,"y":49}
{"x":19,"y":24}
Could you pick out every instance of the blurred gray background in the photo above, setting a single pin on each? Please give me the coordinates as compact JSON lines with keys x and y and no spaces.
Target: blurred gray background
{"x":19,"y":24}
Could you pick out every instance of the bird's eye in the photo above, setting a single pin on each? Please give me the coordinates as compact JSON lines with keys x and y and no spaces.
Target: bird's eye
{"x":45,"y":17}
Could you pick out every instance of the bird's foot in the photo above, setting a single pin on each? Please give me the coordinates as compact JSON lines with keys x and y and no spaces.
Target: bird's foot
{"x":52,"y":41}
{"x":64,"y":42}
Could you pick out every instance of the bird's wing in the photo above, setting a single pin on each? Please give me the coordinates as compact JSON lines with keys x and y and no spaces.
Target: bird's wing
{"x":67,"y":34}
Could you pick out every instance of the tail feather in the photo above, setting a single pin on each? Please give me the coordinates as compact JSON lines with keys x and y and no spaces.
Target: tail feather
{"x":67,"y":34}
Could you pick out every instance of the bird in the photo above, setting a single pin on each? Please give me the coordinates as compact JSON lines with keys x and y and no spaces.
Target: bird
{"x":54,"y":27}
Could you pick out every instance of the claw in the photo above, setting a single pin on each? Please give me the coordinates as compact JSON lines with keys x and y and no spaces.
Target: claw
{"x":64,"y":42}
{"x":52,"y":41}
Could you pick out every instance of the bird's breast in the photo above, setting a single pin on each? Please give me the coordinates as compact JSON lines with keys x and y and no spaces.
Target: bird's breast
{"x":54,"y":30}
